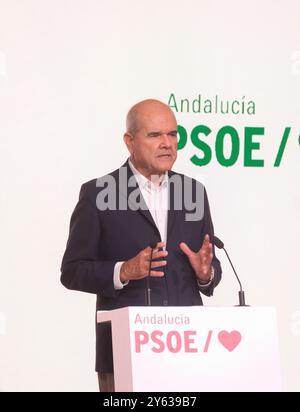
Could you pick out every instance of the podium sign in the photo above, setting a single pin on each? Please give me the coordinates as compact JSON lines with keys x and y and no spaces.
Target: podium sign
{"x":194,"y":348}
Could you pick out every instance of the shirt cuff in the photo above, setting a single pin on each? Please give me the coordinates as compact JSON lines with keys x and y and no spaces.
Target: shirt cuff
{"x":206,"y":285}
{"x":117,"y":281}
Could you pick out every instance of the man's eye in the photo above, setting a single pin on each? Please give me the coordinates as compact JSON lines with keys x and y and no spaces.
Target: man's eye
{"x":173,"y":134}
{"x":153,"y":134}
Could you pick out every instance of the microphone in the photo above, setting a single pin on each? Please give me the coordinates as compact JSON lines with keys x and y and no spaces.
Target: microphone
{"x":148,"y":287}
{"x":220,"y":245}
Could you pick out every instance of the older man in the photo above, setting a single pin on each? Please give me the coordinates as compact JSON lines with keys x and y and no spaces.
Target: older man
{"x":142,"y":225}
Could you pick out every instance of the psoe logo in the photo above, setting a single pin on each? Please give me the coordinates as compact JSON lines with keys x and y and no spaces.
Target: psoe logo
{"x":2,"y":63}
{"x":2,"y":324}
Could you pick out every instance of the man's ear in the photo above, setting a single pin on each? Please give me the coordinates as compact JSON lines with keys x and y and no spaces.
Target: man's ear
{"x":129,"y":141}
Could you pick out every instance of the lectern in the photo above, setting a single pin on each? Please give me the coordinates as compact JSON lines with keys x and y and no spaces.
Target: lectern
{"x":194,"y":349}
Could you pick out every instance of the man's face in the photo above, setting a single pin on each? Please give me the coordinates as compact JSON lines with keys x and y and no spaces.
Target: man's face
{"x":153,"y":146}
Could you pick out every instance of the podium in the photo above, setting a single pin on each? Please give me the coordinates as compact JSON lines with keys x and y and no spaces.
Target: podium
{"x":194,"y":349}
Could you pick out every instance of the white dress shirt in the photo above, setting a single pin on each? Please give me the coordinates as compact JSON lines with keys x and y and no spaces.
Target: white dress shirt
{"x":155,"y":194}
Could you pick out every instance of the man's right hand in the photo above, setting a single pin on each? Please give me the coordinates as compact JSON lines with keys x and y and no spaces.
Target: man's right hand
{"x":138,"y":266}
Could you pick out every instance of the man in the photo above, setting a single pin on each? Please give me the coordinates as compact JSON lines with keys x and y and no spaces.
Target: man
{"x":141,"y":223}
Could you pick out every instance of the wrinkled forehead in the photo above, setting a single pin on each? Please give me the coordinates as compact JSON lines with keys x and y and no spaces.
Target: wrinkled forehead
{"x":157,"y":120}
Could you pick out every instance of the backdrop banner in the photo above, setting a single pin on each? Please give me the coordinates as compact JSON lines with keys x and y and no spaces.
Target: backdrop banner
{"x":69,"y":72}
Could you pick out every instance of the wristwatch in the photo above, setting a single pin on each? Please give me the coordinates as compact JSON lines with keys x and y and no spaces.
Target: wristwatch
{"x":207,"y":282}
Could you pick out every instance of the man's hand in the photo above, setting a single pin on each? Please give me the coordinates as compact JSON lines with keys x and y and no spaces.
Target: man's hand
{"x":138,"y":266}
{"x":201,"y":260}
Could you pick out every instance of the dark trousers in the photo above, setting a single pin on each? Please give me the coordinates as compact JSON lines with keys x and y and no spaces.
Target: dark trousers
{"x":106,"y":382}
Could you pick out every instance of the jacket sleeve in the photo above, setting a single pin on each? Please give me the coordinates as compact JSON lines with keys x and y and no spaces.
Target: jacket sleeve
{"x":209,"y":229}
{"x":82,"y":268}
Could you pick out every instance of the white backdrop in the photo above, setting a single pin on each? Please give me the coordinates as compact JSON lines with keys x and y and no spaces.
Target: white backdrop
{"x":69,"y":71}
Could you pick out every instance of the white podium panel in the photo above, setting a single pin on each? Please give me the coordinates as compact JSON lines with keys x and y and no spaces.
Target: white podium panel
{"x":194,"y":349}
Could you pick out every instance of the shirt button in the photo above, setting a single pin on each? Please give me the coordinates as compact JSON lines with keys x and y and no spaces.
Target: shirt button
{"x":165,"y":302}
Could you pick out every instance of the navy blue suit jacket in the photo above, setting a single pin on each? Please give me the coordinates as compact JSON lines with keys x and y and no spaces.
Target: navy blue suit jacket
{"x":98,"y":239}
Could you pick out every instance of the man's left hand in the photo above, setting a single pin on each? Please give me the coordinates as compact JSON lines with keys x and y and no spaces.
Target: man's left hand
{"x":201,"y":260}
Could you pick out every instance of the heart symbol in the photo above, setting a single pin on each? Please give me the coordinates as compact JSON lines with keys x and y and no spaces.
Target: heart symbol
{"x":230,"y":339}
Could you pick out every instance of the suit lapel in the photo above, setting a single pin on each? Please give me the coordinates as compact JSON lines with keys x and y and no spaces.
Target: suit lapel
{"x":134,"y":196}
{"x":172,"y":212}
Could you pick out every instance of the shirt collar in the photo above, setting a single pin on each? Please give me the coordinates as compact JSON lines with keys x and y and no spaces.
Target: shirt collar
{"x":146,"y":183}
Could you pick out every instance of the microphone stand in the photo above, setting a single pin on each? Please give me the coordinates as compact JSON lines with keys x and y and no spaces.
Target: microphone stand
{"x":241,"y":292}
{"x":148,"y":288}
{"x":220,"y":245}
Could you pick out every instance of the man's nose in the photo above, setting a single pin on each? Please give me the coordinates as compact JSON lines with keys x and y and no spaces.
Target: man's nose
{"x":165,"y":140}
